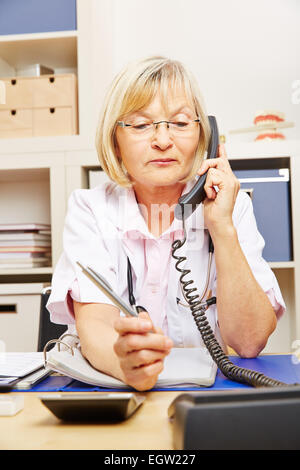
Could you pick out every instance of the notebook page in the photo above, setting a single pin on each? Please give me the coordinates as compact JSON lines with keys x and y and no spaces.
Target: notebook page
{"x":188,"y":366}
{"x":192,"y":366}
{"x":77,"y":367}
{"x":19,"y":364}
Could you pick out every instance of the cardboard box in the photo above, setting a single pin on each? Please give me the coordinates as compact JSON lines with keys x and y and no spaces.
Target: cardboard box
{"x":15,"y":123}
{"x":39,"y":106}
{"x":54,"y":121}
{"x":19,"y":316}
{"x":269,"y":190}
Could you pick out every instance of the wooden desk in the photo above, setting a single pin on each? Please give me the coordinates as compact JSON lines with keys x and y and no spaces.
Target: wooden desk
{"x":35,"y":427}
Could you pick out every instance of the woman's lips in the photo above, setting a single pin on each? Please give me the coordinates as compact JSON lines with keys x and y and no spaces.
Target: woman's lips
{"x":163,"y":161}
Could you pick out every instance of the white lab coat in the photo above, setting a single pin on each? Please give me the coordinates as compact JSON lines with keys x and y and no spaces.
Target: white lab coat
{"x":96,"y":233}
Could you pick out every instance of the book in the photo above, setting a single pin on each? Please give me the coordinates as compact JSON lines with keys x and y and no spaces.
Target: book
{"x":34,"y":264}
{"x":23,"y":249}
{"x":28,"y":236}
{"x":182,"y":367}
{"x":24,"y":227}
{"x":24,"y":243}
{"x":24,"y":261}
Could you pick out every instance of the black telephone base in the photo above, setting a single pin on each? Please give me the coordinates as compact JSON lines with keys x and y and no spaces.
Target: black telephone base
{"x":260,"y":418}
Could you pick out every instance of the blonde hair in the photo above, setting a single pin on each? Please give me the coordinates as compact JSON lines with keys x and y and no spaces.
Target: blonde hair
{"x":132,"y":90}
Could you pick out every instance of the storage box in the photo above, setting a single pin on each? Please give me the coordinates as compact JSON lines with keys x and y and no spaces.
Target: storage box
{"x":270,"y":193}
{"x":33,"y":70}
{"x":2,"y":92}
{"x":15,"y":123}
{"x":19,"y":316}
{"x":40,"y":91}
{"x":54,"y":90}
{"x":19,"y":93}
{"x":54,"y":121}
{"x":39,"y":106}
{"x":37,"y":16}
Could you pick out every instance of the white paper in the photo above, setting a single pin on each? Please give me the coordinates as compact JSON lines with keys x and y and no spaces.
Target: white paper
{"x":183,"y":366}
{"x":19,"y":364}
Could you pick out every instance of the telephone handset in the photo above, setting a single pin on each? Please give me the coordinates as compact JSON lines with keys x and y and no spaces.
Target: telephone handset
{"x":189,"y":202}
{"x":186,"y":205}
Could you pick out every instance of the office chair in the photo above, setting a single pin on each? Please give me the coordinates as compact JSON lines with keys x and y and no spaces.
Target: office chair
{"x":47,"y":329}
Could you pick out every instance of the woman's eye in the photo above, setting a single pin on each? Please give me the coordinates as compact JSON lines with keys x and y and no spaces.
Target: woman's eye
{"x":142,"y":126}
{"x":180,"y":124}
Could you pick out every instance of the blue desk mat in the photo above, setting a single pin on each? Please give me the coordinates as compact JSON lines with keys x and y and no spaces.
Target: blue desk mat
{"x":280,"y":367}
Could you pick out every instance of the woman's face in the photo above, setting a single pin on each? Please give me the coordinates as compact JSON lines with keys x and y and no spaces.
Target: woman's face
{"x":162,"y":158}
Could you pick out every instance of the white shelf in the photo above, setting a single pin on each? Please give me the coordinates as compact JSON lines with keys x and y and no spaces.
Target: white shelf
{"x":33,"y":145}
{"x":37,"y":36}
{"x":270,"y":149}
{"x":282,"y":264}
{"x":55,"y":50}
{"x":261,"y":127}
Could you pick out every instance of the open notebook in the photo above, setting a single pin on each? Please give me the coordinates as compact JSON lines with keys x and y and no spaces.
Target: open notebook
{"x":182,"y":367}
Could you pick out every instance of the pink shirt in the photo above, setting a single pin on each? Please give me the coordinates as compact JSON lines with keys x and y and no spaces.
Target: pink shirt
{"x":104,"y":226}
{"x":155,"y":283}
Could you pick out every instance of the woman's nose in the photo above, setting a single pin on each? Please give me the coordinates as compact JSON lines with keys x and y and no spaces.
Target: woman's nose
{"x":162,"y":138}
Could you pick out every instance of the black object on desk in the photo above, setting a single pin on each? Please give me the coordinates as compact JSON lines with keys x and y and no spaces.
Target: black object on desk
{"x":47,"y":329}
{"x":260,"y":418}
{"x":7,"y":385}
{"x":98,"y":407}
{"x":10,"y":384}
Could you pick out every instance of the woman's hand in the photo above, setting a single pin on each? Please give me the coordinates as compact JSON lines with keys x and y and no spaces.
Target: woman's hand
{"x":219,"y":204}
{"x":141,"y":350}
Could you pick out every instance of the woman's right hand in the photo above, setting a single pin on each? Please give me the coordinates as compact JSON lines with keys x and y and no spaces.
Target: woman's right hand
{"x":141,"y":350}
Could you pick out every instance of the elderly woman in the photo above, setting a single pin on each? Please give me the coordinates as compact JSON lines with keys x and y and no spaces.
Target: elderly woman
{"x":151,"y":142}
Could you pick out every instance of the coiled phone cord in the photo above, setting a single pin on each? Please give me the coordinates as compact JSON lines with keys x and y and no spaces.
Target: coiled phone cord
{"x":198,"y":308}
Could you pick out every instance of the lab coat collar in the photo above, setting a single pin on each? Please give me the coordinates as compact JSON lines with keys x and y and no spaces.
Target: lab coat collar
{"x":131,"y":222}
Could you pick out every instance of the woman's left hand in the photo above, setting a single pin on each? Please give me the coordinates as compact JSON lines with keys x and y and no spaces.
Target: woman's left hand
{"x":219,"y":204}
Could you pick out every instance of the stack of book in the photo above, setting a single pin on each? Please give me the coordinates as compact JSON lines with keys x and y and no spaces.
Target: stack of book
{"x":25,"y":245}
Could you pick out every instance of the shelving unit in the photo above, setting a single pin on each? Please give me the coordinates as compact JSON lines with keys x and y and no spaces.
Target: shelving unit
{"x":33,"y":170}
{"x":32,"y":189}
{"x":287,"y":273}
{"x":66,"y":52}
{"x":37,"y":166}
{"x":56,"y":50}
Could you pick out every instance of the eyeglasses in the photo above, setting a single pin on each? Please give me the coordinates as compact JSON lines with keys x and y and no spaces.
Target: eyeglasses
{"x":182,"y":127}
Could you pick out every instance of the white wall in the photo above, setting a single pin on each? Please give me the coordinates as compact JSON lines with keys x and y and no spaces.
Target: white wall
{"x":245,"y":54}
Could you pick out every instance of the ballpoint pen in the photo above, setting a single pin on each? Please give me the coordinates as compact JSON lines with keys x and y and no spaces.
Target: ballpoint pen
{"x":107,"y":290}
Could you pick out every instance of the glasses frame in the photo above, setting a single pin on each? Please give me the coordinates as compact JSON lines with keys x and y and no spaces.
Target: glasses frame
{"x":123,"y":124}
